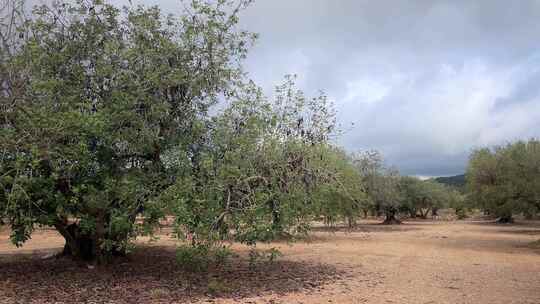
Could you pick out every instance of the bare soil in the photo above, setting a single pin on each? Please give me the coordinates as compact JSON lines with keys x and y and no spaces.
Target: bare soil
{"x":417,"y":262}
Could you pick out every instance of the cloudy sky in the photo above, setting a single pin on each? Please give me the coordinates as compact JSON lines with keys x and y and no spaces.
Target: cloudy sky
{"x":422,"y":81}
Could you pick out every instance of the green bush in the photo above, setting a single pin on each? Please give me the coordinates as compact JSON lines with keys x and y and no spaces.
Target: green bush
{"x":222,"y":254}
{"x":199,"y":257}
{"x":193,"y":258}
{"x":270,"y":255}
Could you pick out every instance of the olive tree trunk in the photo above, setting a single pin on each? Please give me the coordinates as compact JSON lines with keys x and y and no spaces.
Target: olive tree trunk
{"x":390,"y":218}
{"x":78,"y":245}
{"x":505,"y":219}
{"x":87,"y":246}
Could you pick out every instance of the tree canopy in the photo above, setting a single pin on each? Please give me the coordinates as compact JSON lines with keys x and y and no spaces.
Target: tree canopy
{"x":256,"y":176}
{"x":505,"y":180}
{"x":421,"y":197}
{"x":94,"y":100}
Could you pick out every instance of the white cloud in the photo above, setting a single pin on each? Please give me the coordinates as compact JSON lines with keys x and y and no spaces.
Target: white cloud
{"x":365,"y":90}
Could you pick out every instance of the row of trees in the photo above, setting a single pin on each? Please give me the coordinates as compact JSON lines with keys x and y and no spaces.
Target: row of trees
{"x":390,"y":193}
{"x":505,"y":180}
{"x":108,"y":126}
{"x":364,"y":185}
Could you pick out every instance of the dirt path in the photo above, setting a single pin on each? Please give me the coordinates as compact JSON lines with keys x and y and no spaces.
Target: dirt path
{"x":420,"y":262}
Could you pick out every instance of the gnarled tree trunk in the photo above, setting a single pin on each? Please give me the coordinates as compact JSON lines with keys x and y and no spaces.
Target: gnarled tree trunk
{"x":351,"y":222}
{"x":505,"y":219}
{"x":78,"y":244}
{"x":84,"y":246}
{"x":391,"y":218}
{"x":365,"y":213}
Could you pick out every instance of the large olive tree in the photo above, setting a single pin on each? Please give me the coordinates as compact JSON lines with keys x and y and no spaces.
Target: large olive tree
{"x":93,"y":101}
{"x":505,"y":180}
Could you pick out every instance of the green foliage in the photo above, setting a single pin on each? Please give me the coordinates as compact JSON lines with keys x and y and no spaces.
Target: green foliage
{"x":254,"y":177}
{"x":273,"y":254}
{"x":456,"y":181}
{"x":198,"y":258}
{"x":269,"y":255}
{"x":421,"y":197}
{"x":342,"y":196}
{"x":506,"y":179}
{"x":458,"y":201}
{"x":107,"y":121}
{"x":222,"y":254}
{"x":106,"y":129}
{"x":193,"y":258}
{"x":389,"y":193}
{"x":382,"y":184}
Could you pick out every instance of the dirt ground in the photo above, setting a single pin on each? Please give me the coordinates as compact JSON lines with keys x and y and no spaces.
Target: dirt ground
{"x":418,"y":262}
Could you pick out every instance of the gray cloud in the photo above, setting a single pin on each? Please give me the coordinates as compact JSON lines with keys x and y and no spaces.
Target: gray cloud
{"x":423,"y":81}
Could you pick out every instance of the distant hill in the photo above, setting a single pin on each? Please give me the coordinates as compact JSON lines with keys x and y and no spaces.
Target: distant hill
{"x":457,"y":181}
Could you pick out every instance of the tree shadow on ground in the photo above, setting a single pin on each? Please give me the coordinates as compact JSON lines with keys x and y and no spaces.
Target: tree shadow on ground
{"x":371,"y":227}
{"x":151,"y":275}
{"x":494,"y":223}
{"x":521,"y":231}
{"x":519,"y":227}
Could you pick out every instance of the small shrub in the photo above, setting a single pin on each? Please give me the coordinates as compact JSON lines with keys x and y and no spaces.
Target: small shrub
{"x":254,"y":257}
{"x":273,"y":254}
{"x":193,"y":258}
{"x":197,"y":258}
{"x":222,"y":254}
{"x":270,"y":255}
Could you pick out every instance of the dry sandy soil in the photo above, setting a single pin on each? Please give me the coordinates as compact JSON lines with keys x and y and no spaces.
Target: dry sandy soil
{"x":418,"y":262}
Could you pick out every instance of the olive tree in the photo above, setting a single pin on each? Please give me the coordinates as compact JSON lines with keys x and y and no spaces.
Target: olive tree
{"x":93,"y":101}
{"x":422,"y":197}
{"x":505,"y":180}
{"x":414,"y":195}
{"x":343,"y":195}
{"x":382,"y":185}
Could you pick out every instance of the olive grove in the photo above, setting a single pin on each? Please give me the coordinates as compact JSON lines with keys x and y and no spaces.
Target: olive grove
{"x":113,"y":119}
